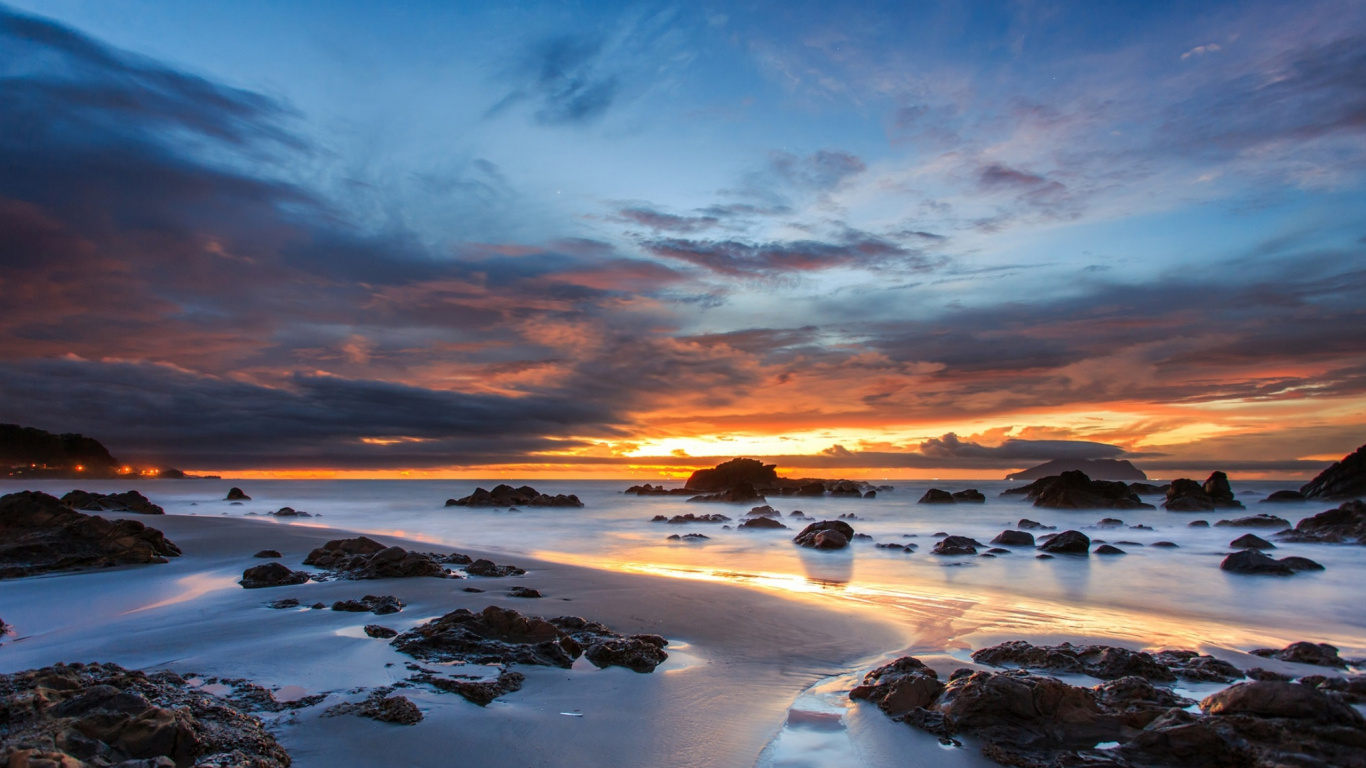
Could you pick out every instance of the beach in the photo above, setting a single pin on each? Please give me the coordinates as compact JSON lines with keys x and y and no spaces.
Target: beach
{"x":761,"y":654}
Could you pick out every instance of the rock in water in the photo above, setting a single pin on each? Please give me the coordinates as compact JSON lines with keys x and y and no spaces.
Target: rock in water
{"x":1251,"y":541}
{"x":271,"y":575}
{"x":507,"y":496}
{"x":936,"y":496}
{"x":1252,"y":561}
{"x":827,"y":534}
{"x":1284,"y":497}
{"x":1014,"y":539}
{"x":365,"y":558}
{"x":1186,"y":495}
{"x":128,"y":501}
{"x":39,"y":534}
{"x":1344,"y":525}
{"x":1345,"y":479}
{"x":733,"y":473}
{"x":236,"y":494}
{"x":1068,"y":542}
{"x":102,"y":714}
{"x":1318,"y":654}
{"x":760,"y":523}
{"x":740,"y":493}
{"x":969,"y":496}
{"x":1074,"y":490}
{"x":956,"y":545}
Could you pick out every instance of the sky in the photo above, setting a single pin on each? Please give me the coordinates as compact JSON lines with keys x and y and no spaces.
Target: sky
{"x":541,"y":239}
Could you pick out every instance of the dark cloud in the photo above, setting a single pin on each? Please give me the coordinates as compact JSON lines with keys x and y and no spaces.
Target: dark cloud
{"x":565,"y":79}
{"x":742,"y":259}
{"x":668,"y":222}
{"x":950,"y":446}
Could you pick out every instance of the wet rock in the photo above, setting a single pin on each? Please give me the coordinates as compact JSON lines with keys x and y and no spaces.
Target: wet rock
{"x":288,"y":602}
{"x":1345,"y":479}
{"x":290,"y":512}
{"x":40,"y":534}
{"x":1318,"y":654}
{"x":380,"y":633}
{"x":1344,"y":525}
{"x":827,"y":534}
{"x":1109,"y":549}
{"x":897,"y":546}
{"x":1026,"y":524}
{"x":873,"y":495}
{"x":811,"y":489}
{"x":1186,"y":495}
{"x":689,"y":537}
{"x":899,"y":688}
{"x":956,"y":545}
{"x":523,"y":592}
{"x":764,"y":511}
{"x":481,"y":692}
{"x":1166,"y":544}
{"x":236,"y":494}
{"x":1198,"y":524}
{"x":271,"y":575}
{"x":128,"y":501}
{"x":998,"y":551}
{"x":268,"y":553}
{"x":656,"y":490}
{"x":1014,"y":539}
{"x":103,"y":715}
{"x":1074,"y":490}
{"x":742,"y":493}
{"x":364,"y":558}
{"x":1110,"y":522}
{"x":507,"y":496}
{"x":733,"y":473}
{"x":1284,"y":497}
{"x":1197,"y":667}
{"x":488,"y":569}
{"x":1067,"y":543}
{"x":1301,"y":564}
{"x":761,"y":523}
{"x":1251,"y":541}
{"x":1102,"y":661}
{"x":969,"y":496}
{"x":1257,"y":673}
{"x":1256,"y":521}
{"x":1148,"y":489}
{"x":641,"y":653}
{"x":1280,"y":700}
{"x":379,"y":706}
{"x":1253,"y":562}
{"x":936,"y":496}
{"x":379,"y":605}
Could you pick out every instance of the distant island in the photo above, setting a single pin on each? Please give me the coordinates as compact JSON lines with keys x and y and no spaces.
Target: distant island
{"x":1096,"y":469}
{"x":31,"y":452}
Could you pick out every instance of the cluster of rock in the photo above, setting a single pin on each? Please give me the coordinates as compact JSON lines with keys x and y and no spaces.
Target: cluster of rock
{"x":1344,"y":525}
{"x":365,"y":558}
{"x":40,"y":534}
{"x":690,"y":518}
{"x":271,"y":575}
{"x":380,"y":605}
{"x":128,"y":501}
{"x":967,"y":496}
{"x":827,"y":534}
{"x":761,"y":523}
{"x":382,"y":706}
{"x":1317,"y":654}
{"x":103,"y":715}
{"x":1025,"y":719}
{"x":507,"y":496}
{"x":502,"y":636}
{"x":1108,"y":662}
{"x":657,"y":490}
{"x":1074,"y":490}
{"x":289,"y":512}
{"x":748,"y":480}
{"x":1185,"y":495}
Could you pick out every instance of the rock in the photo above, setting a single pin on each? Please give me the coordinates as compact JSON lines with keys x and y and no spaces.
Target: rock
{"x":1254,"y":562}
{"x":523,"y":592}
{"x":1165,"y":544}
{"x":101,"y":714}
{"x":1198,"y":524}
{"x":1026,"y":524}
{"x":1301,"y":564}
{"x":40,"y":534}
{"x":811,"y":489}
{"x":507,"y":496}
{"x":1251,"y":541}
{"x":936,"y":496}
{"x":1185,"y":495}
{"x":1256,"y":521}
{"x":290,"y":512}
{"x":1068,"y":542}
{"x":1107,"y":549}
{"x":1110,"y":522}
{"x":873,"y":495}
{"x":1318,"y":654}
{"x":1074,"y":490}
{"x":504,"y":636}
{"x":764,"y":511}
{"x":656,"y":490}
{"x":1344,"y":525}
{"x":271,"y":575}
{"x":899,"y":688}
{"x":1257,"y":673}
{"x":1148,"y":489}
{"x":1345,"y":479}
{"x":827,"y":534}
{"x":1014,"y":539}
{"x":1284,"y":497}
{"x":760,"y":522}
{"x":288,"y":602}
{"x":691,"y":518}
{"x":389,"y":709}
{"x":380,"y":633}
{"x":956,"y":545}
{"x":1281,"y":700}
{"x":689,"y":537}
{"x":733,"y":473}
{"x":488,"y":569}
{"x":268,"y":553}
{"x":128,"y":501}
{"x":364,"y":558}
{"x":481,"y":692}
{"x":379,"y":605}
{"x":742,"y":493}
{"x":969,"y":496}
{"x":236,"y":494}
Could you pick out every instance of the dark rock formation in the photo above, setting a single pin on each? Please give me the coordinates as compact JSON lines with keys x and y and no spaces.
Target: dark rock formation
{"x":507,"y":496}
{"x":66,"y":716}
{"x":969,"y":496}
{"x":501,"y":636}
{"x":488,"y":569}
{"x":236,"y":494}
{"x":900,"y":688}
{"x":764,"y":511}
{"x":365,"y":558}
{"x":289,"y":512}
{"x":691,"y":518}
{"x":1284,"y":497}
{"x":956,"y":545}
{"x":382,"y":707}
{"x":481,"y":692}
{"x":827,"y":534}
{"x":1069,"y":543}
{"x":689,"y":537}
{"x":1026,"y":524}
{"x":936,"y":496}
{"x":1344,"y":525}
{"x":526,"y":592}
{"x":811,"y":489}
{"x":1251,"y":541}
{"x":1166,"y":544}
{"x":1148,"y":489}
{"x":1100,"y":469}
{"x":758,"y":523}
{"x":380,"y":605}
{"x":380,"y":632}
{"x":656,"y":490}
{"x":1256,"y":521}
{"x":741,"y":493}
{"x":1014,"y":539}
{"x":288,"y":602}
{"x":1185,"y":495}
{"x":1345,"y":479}
{"x":27,"y":446}
{"x":1318,"y":654}
{"x":1074,"y":490}
{"x":39,"y":534}
{"x":1109,"y":549}
{"x":732,"y":473}
{"x":1253,"y":562}
{"x":271,"y":575}
{"x":128,"y":501}
{"x":268,"y":553}
{"x":1108,"y":662}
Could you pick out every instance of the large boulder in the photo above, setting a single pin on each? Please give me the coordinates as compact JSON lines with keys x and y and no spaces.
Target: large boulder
{"x":236,"y":494}
{"x":1186,"y":495}
{"x":1014,"y":539}
{"x":128,"y":501}
{"x":1345,"y":479}
{"x":901,"y":687}
{"x":1068,"y":543}
{"x":365,"y":558}
{"x":1267,"y":699}
{"x":732,"y":473}
{"x":40,"y":534}
{"x":758,"y":523}
{"x":1318,"y":654}
{"x":1253,"y":562}
{"x":1262,"y":520}
{"x":956,"y":545}
{"x":1074,"y":490}
{"x":969,"y":496}
{"x":1344,"y":525}
{"x":1108,"y":662}
{"x":827,"y":534}
{"x":936,"y":496}
{"x":271,"y":575}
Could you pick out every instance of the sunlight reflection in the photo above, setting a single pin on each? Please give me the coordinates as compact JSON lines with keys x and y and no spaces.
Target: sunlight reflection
{"x":192,"y":586}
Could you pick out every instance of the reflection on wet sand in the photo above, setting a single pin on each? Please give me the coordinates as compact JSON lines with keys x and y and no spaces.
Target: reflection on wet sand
{"x":834,"y":569}
{"x":191,"y":587}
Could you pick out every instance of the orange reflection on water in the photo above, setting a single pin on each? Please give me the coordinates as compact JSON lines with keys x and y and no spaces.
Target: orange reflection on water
{"x":192,"y":586}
